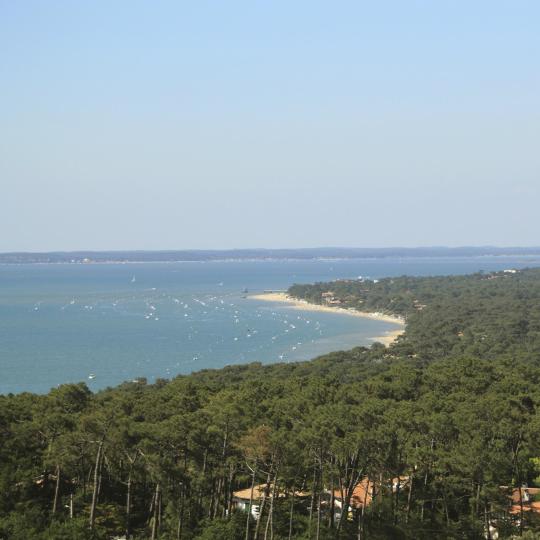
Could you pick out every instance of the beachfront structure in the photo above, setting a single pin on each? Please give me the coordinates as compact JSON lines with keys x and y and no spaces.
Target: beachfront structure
{"x":330,"y":299}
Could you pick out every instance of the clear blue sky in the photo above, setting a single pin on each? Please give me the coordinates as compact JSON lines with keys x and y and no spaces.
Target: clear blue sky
{"x":154,"y":124}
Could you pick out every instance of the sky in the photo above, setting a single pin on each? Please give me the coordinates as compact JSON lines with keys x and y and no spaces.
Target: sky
{"x":184,"y":125}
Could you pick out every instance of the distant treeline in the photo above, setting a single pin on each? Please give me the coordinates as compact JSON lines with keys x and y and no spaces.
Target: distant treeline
{"x":239,"y":254}
{"x":443,"y":427}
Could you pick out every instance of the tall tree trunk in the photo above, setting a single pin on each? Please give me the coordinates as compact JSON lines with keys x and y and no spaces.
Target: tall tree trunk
{"x":263,"y":503}
{"x":517,"y":472}
{"x":217,"y":497}
{"x":100,"y":476}
{"x":432,"y":444}
{"x":156,"y":512}
{"x":180,"y":516}
{"x":160,"y":498}
{"x":313,"y":493}
{"x":56,"y":490}
{"x":318,"y":516}
{"x":291,"y":514}
{"x":248,"y":518}
{"x":332,"y":502}
{"x":212,"y":498}
{"x":128,"y":507}
{"x":229,"y":501}
{"x":223,"y":477}
{"x":353,"y":480}
{"x":396,"y":505}
{"x":319,"y":489}
{"x":97,"y":475}
{"x":424,"y":497}
{"x":83,"y":476}
{"x":200,"y":495}
{"x":447,"y":515}
{"x":409,"y":497}
{"x":486,"y":521}
{"x":361,"y":517}
{"x":269,"y":521}
{"x":520,"y":510}
{"x":179,"y":528}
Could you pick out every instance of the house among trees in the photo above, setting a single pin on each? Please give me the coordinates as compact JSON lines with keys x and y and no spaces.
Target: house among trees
{"x":241,"y":498}
{"x":524,"y":503}
{"x":363,"y":494}
{"x":526,"y":499}
{"x":330,"y":299}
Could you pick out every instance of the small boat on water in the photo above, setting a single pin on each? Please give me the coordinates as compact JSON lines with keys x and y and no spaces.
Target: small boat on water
{"x":91,"y":376}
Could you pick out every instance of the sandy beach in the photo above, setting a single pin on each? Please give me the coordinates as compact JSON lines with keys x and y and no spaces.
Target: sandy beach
{"x":295,"y":303}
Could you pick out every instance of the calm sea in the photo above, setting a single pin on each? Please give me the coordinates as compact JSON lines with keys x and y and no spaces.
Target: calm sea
{"x":104,"y":324}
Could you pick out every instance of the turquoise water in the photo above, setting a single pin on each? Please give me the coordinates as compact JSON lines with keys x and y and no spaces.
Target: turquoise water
{"x":104,"y":324}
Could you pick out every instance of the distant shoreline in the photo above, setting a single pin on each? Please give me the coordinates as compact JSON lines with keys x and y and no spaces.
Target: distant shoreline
{"x":251,"y":260}
{"x":286,"y":254}
{"x":296,"y":303}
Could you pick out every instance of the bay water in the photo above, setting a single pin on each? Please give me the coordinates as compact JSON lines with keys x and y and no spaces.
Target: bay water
{"x":107,"y":323}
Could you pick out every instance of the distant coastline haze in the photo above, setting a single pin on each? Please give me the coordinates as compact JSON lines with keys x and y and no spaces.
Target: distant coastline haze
{"x":254,"y":254}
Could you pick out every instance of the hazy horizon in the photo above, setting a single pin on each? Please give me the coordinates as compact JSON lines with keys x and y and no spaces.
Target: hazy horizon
{"x":479,"y":248}
{"x":171,"y":125}
{"x":278,"y":248}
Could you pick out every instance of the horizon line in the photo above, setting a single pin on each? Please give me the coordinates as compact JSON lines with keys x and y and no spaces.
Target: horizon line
{"x":266,"y":249}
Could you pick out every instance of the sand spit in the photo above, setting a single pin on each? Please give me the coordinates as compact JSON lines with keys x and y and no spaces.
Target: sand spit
{"x":295,"y":303}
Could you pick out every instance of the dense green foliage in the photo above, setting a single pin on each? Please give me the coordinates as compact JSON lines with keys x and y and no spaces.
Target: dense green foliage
{"x":480,"y":315}
{"x":453,"y":406}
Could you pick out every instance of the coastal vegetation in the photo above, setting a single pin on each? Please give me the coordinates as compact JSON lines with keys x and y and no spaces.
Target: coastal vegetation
{"x":443,"y":426}
{"x":481,"y":315}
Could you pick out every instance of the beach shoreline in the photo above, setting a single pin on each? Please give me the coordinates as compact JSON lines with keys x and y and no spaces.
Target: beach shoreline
{"x":295,"y":303}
